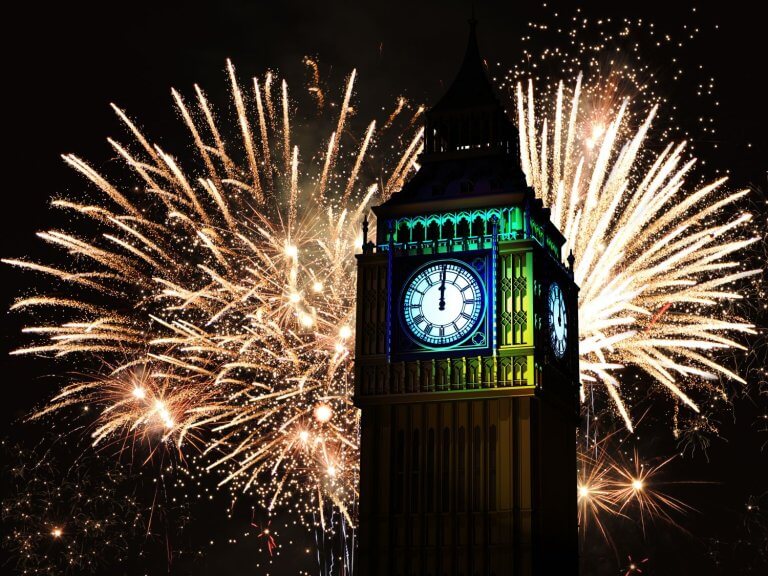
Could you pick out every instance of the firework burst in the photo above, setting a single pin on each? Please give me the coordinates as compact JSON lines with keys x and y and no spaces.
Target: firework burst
{"x":596,"y":488}
{"x":222,"y":295}
{"x":614,"y":485}
{"x":658,"y":262}
{"x":635,"y":486}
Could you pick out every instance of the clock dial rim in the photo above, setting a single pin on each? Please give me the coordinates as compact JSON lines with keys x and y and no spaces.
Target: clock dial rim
{"x":467,"y":330}
{"x":558,"y":336}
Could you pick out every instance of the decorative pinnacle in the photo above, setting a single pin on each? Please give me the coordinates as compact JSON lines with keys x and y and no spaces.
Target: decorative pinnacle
{"x":365,"y":229}
{"x":571,"y":260}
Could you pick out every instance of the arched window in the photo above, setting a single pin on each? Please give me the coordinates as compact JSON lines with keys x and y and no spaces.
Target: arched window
{"x":415,"y":470}
{"x":417,"y":234}
{"x":462,"y":229}
{"x":444,"y":136}
{"x":399,"y":472}
{"x":492,"y":468}
{"x":446,"y":471}
{"x":429,"y":491}
{"x":477,"y":475}
{"x":433,"y":231}
{"x":461,"y":480}
{"x":403,"y":232}
{"x":448,"y":229}
{"x":478,"y":226}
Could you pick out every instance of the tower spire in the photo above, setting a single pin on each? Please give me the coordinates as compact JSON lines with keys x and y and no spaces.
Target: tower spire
{"x":469,"y":119}
{"x":471,"y":88}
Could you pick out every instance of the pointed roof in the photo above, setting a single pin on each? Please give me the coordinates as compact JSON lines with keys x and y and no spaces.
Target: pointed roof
{"x":470,"y":156}
{"x":472,"y":88}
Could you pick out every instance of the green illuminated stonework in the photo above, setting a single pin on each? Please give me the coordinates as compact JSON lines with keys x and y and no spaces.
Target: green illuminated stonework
{"x":467,"y":230}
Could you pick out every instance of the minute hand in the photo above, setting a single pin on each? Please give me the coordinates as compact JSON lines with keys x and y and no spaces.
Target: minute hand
{"x":441,"y":304}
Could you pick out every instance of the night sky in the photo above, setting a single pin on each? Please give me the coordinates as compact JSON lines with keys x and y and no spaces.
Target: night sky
{"x":66,"y":63}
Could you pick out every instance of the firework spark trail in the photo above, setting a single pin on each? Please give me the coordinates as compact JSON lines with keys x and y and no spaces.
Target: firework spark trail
{"x":596,"y":487}
{"x":635,"y":487}
{"x":327,"y":165}
{"x":333,"y":143}
{"x":263,"y":132}
{"x":401,"y":102}
{"x":610,"y":485}
{"x":402,"y":169}
{"x":268,"y":97}
{"x":246,"y":131}
{"x":220,"y":302}
{"x":359,"y":162}
{"x":655,"y":261}
{"x":314,"y":88}
{"x":416,"y":115}
{"x":286,"y":128}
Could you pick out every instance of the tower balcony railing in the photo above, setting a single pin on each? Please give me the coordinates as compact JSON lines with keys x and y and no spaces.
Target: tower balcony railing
{"x":439,"y":246}
{"x":446,"y":374}
{"x":448,"y":245}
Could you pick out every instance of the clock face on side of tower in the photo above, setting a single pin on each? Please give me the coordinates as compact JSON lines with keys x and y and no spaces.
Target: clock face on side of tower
{"x":442,"y":303}
{"x":558,"y":320}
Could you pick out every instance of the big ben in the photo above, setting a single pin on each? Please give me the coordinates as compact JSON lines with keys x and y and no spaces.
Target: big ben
{"x":466,"y":367}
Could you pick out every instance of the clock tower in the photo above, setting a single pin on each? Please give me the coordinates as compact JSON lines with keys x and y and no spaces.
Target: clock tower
{"x":466,"y":369}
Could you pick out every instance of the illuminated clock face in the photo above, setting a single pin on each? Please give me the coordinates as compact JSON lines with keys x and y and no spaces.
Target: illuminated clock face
{"x":442,"y":303}
{"x":558,"y":320}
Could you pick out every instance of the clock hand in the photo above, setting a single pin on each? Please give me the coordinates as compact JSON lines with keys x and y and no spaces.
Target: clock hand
{"x":441,"y":304}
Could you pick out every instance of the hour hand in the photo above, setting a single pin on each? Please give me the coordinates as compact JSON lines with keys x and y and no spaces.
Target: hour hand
{"x":441,"y":304}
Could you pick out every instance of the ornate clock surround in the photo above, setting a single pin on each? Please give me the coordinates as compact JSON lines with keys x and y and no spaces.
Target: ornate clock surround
{"x":404,"y":346}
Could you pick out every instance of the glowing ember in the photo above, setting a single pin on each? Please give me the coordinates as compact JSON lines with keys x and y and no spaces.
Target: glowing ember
{"x":323,"y":413}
